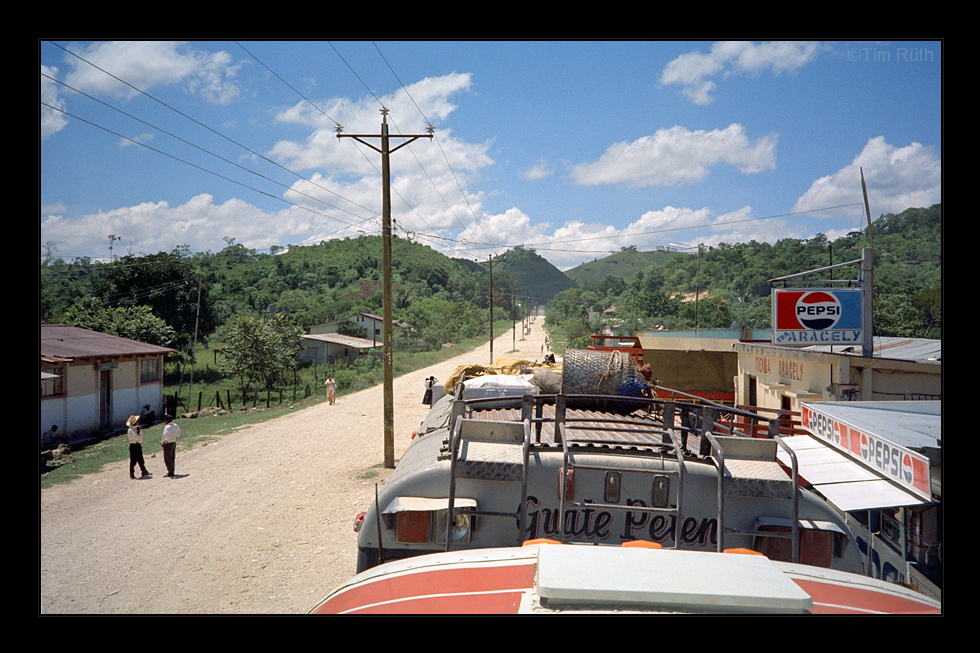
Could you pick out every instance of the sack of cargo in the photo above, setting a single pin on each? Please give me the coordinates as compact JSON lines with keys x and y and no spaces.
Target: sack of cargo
{"x":501,"y":366}
{"x":498,"y":385}
{"x":548,"y":379}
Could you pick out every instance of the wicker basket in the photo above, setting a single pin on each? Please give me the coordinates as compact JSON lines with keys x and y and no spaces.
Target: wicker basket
{"x":593,"y":372}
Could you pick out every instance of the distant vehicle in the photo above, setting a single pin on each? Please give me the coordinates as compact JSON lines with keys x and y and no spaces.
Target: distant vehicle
{"x":628,"y":344}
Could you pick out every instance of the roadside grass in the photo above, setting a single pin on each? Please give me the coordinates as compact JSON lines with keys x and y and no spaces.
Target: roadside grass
{"x":93,"y":457}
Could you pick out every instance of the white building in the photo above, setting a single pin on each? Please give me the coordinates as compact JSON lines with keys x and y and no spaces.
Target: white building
{"x":327,"y":348}
{"x":91,"y":382}
{"x":782,"y":378}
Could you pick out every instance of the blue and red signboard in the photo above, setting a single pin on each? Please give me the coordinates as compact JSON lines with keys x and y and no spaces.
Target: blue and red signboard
{"x":816,"y":317}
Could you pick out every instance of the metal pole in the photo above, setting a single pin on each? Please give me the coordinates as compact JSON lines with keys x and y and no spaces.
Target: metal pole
{"x":490,"y":259}
{"x":867,"y":299}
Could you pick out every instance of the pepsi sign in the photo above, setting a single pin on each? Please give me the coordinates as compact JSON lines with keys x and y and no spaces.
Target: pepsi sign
{"x":814,"y":317}
{"x":889,"y":460}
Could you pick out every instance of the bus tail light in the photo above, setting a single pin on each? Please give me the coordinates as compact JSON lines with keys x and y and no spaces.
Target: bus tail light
{"x":412,"y":527}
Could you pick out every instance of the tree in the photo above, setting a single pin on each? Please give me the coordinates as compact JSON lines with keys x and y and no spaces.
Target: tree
{"x":167,"y":283}
{"x":133,"y":322}
{"x":261,"y":349}
{"x":437,"y":321}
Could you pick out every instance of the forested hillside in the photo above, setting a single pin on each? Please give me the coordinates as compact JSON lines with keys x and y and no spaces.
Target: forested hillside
{"x":163,"y":298}
{"x":253,"y":305}
{"x":732,"y":282}
{"x":312,"y":285}
{"x":624,"y":264}
{"x":534,"y":277}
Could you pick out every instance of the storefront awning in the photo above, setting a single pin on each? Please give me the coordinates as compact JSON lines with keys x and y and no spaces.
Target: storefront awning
{"x":845,"y":483}
{"x":862,"y":465}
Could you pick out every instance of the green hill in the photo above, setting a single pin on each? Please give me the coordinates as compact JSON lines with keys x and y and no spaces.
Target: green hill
{"x":533,"y":275}
{"x":623,"y":264}
{"x":334,"y":279}
{"x":732,"y":280}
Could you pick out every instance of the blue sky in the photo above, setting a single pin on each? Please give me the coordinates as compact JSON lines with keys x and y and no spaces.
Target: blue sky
{"x":573,"y":148}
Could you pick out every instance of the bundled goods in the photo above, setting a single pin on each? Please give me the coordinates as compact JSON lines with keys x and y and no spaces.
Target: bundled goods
{"x":610,"y":373}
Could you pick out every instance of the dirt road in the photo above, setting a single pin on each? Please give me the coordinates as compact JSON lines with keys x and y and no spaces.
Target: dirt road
{"x":258,"y":522}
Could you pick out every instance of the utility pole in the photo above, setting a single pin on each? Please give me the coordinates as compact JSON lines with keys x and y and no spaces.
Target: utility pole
{"x":867,"y":279}
{"x":385,"y":150}
{"x":490,"y":263}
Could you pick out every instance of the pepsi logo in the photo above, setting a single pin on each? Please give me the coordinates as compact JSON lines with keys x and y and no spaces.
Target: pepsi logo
{"x":818,"y":310}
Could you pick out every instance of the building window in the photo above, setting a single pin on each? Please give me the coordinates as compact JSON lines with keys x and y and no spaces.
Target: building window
{"x":149,"y":370}
{"x":53,"y":386}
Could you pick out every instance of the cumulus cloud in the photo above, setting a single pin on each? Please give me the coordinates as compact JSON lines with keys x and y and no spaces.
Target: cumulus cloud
{"x":539,"y":170}
{"x":52,"y":104}
{"x":695,"y":71}
{"x":678,"y":157}
{"x":408,"y":109}
{"x":116,"y":69}
{"x":512,"y":227}
{"x":198,"y":223}
{"x":146,"y":65}
{"x":896,"y":177}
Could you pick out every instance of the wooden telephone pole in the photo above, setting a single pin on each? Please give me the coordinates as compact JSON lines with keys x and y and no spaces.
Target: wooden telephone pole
{"x":385,"y":150}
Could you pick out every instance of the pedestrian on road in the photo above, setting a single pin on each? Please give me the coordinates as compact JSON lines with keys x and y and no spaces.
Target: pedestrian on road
{"x":135,"y":435}
{"x":331,"y":388}
{"x":169,"y":441}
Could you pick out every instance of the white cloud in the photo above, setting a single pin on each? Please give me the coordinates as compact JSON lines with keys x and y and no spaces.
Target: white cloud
{"x":539,"y":170}
{"x":199,"y":223}
{"x":52,"y":120}
{"x":693,"y":71}
{"x":897,"y":178}
{"x":678,"y":157}
{"x":426,"y":100}
{"x":512,"y":227}
{"x":146,"y":65}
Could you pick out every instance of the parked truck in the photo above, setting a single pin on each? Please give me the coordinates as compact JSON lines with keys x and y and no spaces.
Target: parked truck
{"x":588,"y":452}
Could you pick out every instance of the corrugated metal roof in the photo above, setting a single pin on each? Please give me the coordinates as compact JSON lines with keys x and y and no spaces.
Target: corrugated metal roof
{"x":71,"y":342}
{"x":346,"y":341}
{"x":595,"y":427}
{"x":907,"y":349}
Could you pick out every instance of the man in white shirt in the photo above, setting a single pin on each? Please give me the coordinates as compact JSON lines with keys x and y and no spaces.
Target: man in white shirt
{"x":169,"y":442}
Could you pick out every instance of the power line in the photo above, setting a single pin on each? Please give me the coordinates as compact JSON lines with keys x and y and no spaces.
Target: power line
{"x":441,"y":150}
{"x":201,"y":168}
{"x":208,"y":128}
{"x":186,"y":142}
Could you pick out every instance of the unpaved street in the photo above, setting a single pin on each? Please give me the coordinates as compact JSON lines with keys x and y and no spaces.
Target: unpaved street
{"x":259,"y":522}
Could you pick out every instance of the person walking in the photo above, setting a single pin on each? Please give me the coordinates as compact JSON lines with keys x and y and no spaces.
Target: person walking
{"x":331,"y":386}
{"x":169,"y":441}
{"x":135,"y":435}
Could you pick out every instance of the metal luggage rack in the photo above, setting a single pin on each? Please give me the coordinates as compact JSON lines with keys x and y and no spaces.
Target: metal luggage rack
{"x":645,"y":419}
